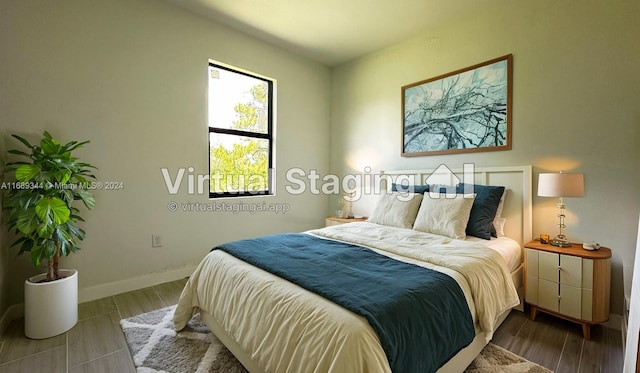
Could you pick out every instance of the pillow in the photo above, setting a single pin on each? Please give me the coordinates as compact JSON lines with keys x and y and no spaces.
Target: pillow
{"x":444,"y":216}
{"x":421,"y":189}
{"x":499,"y":224}
{"x":501,"y":204}
{"x":484,"y":209}
{"x":396,"y":209}
{"x":498,"y":221}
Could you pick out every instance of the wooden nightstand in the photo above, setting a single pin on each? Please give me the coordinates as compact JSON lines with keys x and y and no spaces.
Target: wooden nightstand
{"x":571,"y":283}
{"x":332,"y":220}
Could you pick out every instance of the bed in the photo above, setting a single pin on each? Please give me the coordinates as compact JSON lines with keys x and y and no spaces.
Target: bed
{"x":274,"y":325}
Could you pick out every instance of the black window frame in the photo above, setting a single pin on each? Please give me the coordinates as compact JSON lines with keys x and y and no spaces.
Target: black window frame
{"x":269,"y":136}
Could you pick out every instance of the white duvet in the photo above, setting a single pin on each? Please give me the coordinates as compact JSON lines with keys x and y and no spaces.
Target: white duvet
{"x":285,"y":328}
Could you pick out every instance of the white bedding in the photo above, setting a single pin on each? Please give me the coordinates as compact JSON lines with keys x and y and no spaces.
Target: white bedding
{"x":285,"y":328}
{"x":509,"y":249}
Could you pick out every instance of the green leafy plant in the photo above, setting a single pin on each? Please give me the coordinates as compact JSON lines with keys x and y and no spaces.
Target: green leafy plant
{"x":38,"y":205}
{"x":248,"y":160}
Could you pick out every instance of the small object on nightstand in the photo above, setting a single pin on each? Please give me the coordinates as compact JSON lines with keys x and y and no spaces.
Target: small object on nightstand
{"x":544,"y":238}
{"x":590,"y":246}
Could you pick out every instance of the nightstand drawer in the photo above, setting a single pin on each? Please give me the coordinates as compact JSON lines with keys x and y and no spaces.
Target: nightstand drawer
{"x":548,"y":294}
{"x":564,"y":299}
{"x":531,"y":290}
{"x":570,"y":301}
{"x":565,"y":269}
{"x":548,"y":266}
{"x":571,"y":270}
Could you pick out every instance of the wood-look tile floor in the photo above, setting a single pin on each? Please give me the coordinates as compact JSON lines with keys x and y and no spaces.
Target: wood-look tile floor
{"x":557,"y":344}
{"x":97,"y":344}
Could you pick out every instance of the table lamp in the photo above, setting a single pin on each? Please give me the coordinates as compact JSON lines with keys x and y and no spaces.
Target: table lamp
{"x":561,"y":185}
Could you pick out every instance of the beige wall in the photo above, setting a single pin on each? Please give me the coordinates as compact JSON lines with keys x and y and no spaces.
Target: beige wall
{"x":575,"y":108}
{"x":131,"y":77}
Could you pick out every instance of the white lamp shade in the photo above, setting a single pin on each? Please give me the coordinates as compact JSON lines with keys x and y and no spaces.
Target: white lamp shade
{"x":560,"y":185}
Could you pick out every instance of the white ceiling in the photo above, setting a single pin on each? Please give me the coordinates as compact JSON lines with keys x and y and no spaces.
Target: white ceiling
{"x":332,"y":32}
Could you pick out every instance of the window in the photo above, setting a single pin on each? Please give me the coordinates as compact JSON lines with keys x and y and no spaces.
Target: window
{"x":240,"y":133}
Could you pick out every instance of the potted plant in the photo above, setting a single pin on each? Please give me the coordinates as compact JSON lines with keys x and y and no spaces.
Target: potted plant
{"x":39,"y":210}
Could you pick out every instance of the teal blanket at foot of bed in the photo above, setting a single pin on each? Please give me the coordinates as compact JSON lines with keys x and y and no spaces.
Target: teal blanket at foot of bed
{"x":420,"y":315}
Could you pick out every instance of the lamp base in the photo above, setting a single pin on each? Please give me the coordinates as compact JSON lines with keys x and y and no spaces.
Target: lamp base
{"x":560,"y":242}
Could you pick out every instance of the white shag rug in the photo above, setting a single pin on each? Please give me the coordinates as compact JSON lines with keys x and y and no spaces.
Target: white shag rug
{"x":157,"y":347}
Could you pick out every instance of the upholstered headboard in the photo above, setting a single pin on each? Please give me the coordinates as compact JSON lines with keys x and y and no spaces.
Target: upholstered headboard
{"x":516,"y":179}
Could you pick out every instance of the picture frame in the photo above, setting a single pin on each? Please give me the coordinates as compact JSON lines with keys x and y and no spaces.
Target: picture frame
{"x":467,"y":110}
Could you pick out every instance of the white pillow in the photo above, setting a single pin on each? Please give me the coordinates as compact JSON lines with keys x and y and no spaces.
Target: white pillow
{"x":498,"y":220}
{"x":396,"y":209}
{"x":501,"y":204}
{"x":444,"y":216}
{"x":498,"y":223}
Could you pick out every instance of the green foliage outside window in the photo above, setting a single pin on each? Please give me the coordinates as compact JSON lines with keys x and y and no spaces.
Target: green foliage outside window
{"x":243,"y":163}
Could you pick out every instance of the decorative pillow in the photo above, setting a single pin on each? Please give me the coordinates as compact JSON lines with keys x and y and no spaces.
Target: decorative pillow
{"x":444,"y":216}
{"x":396,"y":209}
{"x":484,"y":209}
{"x":420,"y":189}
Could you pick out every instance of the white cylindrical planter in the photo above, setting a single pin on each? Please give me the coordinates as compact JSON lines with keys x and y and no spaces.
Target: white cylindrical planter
{"x":50,"y":308}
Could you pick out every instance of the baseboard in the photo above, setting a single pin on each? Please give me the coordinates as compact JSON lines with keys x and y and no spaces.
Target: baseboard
{"x":625,"y":321}
{"x":614,"y":322}
{"x":13,"y":312}
{"x":136,"y":283}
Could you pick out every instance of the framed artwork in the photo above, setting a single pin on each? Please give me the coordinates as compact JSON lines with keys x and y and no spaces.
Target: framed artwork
{"x":468,"y":110}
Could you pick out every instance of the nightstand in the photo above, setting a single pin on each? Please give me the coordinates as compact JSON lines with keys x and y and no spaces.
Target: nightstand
{"x":333,"y":220}
{"x":571,"y":283}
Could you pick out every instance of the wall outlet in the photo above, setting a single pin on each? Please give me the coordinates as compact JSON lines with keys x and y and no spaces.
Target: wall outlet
{"x":156,"y":240}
